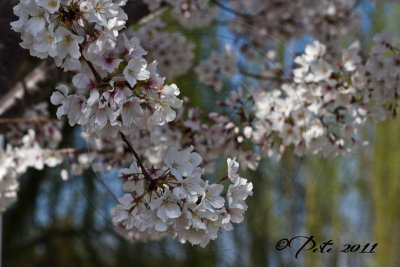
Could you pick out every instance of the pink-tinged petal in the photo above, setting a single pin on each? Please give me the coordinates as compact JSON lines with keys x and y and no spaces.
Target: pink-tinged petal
{"x":56,"y":98}
{"x":81,"y":80}
{"x":94,"y":97}
{"x":101,"y":118}
{"x":119,"y":96}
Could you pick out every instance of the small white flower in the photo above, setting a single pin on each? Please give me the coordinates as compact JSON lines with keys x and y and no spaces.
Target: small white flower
{"x":163,"y":111}
{"x":136,"y":71}
{"x":46,"y":42}
{"x":314,"y":51}
{"x":178,"y":162}
{"x":52,"y":158}
{"x":108,"y":62}
{"x":320,"y":71}
{"x":37,"y":23}
{"x":131,"y":112}
{"x":233,"y":168}
{"x":68,"y":43}
{"x":50,"y":5}
{"x":212,"y":197}
{"x":350,"y":57}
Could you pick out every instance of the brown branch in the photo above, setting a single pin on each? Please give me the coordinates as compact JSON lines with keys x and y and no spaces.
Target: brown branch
{"x":95,"y":73}
{"x":230,"y":10}
{"x":132,"y":150}
{"x":83,"y":151}
{"x":262,"y":77}
{"x":223,"y":179}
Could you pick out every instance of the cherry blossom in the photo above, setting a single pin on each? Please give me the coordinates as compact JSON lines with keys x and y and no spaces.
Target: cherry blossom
{"x":176,"y":201}
{"x":121,"y":98}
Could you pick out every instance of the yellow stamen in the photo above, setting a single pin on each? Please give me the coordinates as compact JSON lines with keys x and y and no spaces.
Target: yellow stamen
{"x":52,"y":3}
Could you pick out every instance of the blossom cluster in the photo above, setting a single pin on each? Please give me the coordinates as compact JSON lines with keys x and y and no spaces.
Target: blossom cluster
{"x":323,"y":110}
{"x":380,"y":76}
{"x":15,"y":160}
{"x":190,"y":14}
{"x":31,"y":143}
{"x":263,"y":22}
{"x":114,"y":91}
{"x":117,"y":90}
{"x":8,"y":180}
{"x":47,"y":132}
{"x":57,"y":28}
{"x":209,"y":71}
{"x":172,"y":50}
{"x":320,"y":113}
{"x":177,"y":201}
{"x":130,"y":93}
{"x":31,"y":154}
{"x":209,"y":133}
{"x":218,"y":132}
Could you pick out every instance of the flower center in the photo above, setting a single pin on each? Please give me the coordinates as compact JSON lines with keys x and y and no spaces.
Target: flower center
{"x":175,"y":165}
{"x":68,"y":39}
{"x":52,"y":3}
{"x":132,"y":72}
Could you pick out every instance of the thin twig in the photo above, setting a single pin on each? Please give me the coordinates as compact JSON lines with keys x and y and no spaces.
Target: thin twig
{"x":83,"y":151}
{"x":261,"y":77}
{"x":223,"y":179}
{"x":237,"y":13}
{"x":101,"y":182}
{"x":105,"y":187}
{"x":131,"y":149}
{"x":355,"y":5}
{"x":95,"y":73}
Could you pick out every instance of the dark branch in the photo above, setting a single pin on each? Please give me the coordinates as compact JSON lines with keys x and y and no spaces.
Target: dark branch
{"x":132,"y":150}
{"x":262,"y":77}
{"x":95,"y":73}
{"x":355,"y":5}
{"x":230,"y":10}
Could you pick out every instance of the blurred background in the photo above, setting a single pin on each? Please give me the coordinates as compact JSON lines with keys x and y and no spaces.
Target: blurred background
{"x":348,"y":200}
